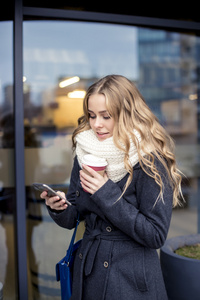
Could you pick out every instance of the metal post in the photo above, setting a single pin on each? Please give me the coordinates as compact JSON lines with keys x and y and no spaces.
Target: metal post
{"x":20,"y":220}
{"x":198,"y":206}
{"x":1,"y":291}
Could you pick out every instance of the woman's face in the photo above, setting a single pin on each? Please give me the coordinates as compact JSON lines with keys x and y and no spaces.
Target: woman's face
{"x":99,"y":119}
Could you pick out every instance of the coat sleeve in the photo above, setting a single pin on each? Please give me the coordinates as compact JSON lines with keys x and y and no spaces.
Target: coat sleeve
{"x":145,"y":222}
{"x":68,"y":217}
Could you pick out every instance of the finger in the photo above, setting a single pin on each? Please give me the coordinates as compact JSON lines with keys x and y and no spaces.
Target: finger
{"x":89,"y":178}
{"x":87,"y":182}
{"x":85,"y":176}
{"x":43,"y":195}
{"x":51,"y":200}
{"x":87,"y":188}
{"x":54,"y":202}
{"x":90,"y":183}
{"x":92,"y":172}
{"x":57,"y":204}
{"x":62,"y":194}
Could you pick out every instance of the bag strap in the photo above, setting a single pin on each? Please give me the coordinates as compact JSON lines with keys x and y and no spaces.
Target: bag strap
{"x":70,"y":249}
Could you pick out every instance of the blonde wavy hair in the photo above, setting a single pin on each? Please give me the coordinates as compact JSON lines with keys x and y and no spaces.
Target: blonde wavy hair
{"x":129,"y":110}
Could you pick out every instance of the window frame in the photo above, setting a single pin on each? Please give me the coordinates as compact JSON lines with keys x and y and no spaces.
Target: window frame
{"x":25,"y":13}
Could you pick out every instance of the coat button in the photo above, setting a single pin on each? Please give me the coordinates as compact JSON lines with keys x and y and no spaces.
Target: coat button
{"x":108,"y":229}
{"x":77,"y":193}
{"x":105,"y":264}
{"x":80,"y":255}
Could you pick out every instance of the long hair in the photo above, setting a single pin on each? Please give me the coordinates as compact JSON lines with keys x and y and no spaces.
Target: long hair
{"x":129,"y":110}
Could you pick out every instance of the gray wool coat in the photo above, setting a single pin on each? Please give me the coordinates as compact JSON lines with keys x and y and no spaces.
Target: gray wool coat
{"x":117,"y":258}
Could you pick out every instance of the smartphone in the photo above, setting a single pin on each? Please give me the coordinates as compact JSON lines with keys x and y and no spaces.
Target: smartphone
{"x":50,"y":192}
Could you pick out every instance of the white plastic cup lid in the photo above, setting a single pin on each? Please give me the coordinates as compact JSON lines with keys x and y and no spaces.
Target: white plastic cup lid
{"x":94,"y":161}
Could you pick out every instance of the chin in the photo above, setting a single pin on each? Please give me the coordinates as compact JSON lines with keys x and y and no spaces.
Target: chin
{"x":103,"y":137}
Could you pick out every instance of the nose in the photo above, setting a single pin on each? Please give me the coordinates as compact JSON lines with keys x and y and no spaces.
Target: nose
{"x":98,"y":122}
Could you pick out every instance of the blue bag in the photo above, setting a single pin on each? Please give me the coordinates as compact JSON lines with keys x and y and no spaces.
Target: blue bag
{"x":64,"y":267}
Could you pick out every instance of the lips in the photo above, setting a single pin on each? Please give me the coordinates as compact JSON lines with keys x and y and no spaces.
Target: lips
{"x":102,"y":134}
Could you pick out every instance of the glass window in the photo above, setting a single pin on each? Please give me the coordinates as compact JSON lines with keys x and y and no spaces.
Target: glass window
{"x":7,"y":180}
{"x":63,"y":58}
{"x":169,"y":79}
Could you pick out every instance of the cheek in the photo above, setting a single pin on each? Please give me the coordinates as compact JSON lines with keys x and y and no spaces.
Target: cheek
{"x":91,"y":123}
{"x":112,"y":124}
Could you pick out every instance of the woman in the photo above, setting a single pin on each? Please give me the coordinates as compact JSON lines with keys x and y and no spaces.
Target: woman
{"x":127,"y":211}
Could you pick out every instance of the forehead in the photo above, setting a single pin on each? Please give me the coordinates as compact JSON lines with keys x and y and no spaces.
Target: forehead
{"x":97,"y":102}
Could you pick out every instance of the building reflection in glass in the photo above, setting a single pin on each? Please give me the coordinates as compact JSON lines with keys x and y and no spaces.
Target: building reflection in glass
{"x":7,"y":182}
{"x":169,"y":80}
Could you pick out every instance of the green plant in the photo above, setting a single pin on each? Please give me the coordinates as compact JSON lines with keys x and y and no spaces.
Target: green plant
{"x":189,"y":251}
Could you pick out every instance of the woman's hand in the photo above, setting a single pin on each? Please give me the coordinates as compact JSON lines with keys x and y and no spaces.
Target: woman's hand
{"x":93,"y":182}
{"x":54,"y":202}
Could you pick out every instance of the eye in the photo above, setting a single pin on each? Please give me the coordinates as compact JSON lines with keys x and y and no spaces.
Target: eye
{"x":106,"y":117}
{"x":92,"y":116}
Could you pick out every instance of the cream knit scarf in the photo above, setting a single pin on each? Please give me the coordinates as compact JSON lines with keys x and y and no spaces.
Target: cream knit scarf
{"x":88,"y":143}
